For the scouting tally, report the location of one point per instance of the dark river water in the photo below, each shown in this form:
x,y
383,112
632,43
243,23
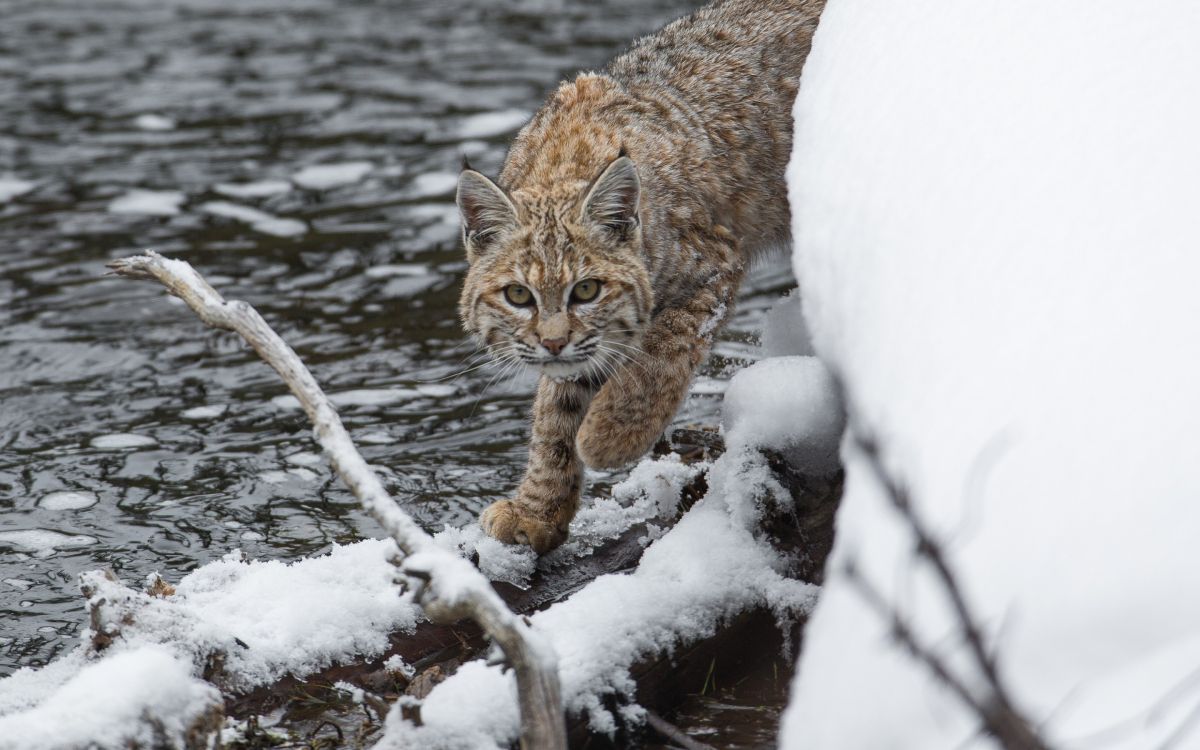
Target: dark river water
x,y
133,438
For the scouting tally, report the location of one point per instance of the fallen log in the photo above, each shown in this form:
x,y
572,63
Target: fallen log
x,y
322,707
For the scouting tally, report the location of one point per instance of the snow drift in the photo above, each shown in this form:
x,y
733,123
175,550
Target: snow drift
x,y
997,224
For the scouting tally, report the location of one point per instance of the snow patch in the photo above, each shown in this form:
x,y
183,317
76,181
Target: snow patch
x,y
104,705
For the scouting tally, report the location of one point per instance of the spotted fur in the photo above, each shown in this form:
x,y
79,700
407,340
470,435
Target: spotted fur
x,y
657,178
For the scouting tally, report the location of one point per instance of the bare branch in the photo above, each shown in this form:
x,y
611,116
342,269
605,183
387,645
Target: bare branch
x,y
669,731
996,708
450,587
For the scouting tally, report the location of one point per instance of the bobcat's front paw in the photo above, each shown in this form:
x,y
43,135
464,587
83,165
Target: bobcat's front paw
x,y
514,523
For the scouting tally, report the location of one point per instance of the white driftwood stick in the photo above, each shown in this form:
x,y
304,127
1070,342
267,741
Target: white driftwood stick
x,y
448,587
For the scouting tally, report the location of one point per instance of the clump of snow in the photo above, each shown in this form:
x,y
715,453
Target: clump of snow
x,y
263,619
789,404
44,542
153,122
14,187
651,492
148,202
268,618
258,220
511,563
785,333
706,569
68,500
327,176
395,663
122,441
995,227
250,190
105,705
491,124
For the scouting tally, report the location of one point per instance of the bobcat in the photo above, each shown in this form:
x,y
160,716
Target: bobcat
x,y
610,249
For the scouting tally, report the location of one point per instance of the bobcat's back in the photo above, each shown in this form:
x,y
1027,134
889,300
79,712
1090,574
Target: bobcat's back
x,y
703,107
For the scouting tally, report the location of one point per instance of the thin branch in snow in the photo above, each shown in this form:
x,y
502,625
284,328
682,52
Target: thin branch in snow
x,y
673,733
448,587
996,708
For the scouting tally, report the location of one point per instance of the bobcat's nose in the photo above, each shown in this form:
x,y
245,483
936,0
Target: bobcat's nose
x,y
554,346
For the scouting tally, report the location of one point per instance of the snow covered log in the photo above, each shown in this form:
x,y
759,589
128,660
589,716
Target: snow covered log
x,y
431,652
996,224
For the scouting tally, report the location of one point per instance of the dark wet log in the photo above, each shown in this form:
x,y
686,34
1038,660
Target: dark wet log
x,y
748,643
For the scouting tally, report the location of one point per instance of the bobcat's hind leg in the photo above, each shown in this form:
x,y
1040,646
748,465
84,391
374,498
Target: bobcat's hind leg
x,y
636,404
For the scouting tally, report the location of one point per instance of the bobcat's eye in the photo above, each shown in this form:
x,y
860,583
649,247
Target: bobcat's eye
x,y
585,291
518,295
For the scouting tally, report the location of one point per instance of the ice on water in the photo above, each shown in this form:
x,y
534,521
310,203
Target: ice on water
x,y
327,176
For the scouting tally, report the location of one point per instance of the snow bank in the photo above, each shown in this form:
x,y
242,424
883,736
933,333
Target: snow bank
x,y
996,233
705,570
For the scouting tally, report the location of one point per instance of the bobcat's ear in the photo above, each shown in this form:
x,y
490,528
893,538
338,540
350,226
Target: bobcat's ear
x,y
613,200
485,210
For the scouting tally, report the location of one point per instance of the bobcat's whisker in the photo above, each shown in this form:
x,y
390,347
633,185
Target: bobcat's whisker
x,y
509,365
497,357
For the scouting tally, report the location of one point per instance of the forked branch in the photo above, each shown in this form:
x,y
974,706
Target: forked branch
x,y
447,586
992,702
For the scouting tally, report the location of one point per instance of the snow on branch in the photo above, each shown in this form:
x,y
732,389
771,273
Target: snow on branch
x,y
447,586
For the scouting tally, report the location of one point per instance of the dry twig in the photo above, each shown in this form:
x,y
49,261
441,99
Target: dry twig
x,y
447,587
995,707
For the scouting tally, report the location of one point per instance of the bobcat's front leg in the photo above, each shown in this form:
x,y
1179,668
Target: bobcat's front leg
x,y
637,403
549,494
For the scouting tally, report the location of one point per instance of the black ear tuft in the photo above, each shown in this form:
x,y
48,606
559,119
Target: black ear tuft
x,y
614,198
485,210
466,165
623,152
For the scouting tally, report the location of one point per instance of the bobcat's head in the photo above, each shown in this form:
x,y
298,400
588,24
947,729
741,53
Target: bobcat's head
x,y
557,277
